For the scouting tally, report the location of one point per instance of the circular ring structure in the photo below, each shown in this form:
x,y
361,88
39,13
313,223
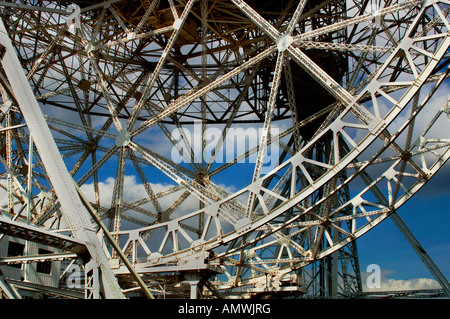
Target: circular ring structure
x,y
244,138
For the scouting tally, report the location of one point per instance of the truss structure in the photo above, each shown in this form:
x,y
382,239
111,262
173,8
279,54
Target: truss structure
x,y
117,117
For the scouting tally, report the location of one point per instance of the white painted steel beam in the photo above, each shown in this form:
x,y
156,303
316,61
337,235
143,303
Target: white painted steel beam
x,y
72,207
37,258
7,289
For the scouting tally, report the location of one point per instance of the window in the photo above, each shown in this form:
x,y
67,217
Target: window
x,y
14,250
44,267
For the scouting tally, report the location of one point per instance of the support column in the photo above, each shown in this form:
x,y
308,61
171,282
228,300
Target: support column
x,y
193,279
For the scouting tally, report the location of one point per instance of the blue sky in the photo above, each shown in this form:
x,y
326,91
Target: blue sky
x,y
426,214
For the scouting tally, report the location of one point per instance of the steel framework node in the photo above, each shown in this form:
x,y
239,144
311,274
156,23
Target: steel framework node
x,y
215,149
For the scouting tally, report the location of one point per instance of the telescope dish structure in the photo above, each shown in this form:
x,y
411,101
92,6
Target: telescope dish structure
x,y
218,144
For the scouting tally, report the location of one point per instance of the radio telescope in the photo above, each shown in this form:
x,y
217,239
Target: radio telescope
x,y
215,149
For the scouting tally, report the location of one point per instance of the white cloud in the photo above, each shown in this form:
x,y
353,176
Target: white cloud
x,y
134,191
106,189
391,284
409,284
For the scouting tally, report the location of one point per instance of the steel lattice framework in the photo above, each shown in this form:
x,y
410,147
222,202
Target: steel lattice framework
x,y
93,91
